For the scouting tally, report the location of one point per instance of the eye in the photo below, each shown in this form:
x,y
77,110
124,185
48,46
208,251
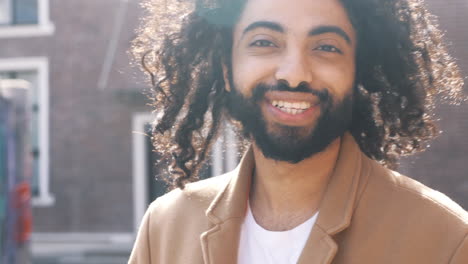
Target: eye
x,y
262,43
329,48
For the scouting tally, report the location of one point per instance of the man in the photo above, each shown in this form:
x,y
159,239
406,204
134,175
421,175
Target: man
x,y
329,94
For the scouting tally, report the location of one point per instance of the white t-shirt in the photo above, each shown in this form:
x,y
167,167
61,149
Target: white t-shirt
x,y
258,245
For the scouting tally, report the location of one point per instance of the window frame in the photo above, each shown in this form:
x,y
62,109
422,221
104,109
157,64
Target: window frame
x,y
44,27
222,161
41,66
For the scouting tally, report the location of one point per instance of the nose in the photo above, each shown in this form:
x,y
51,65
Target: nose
x,y
294,69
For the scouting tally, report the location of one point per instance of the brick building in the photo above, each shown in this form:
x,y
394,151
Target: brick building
x,y
85,99
92,174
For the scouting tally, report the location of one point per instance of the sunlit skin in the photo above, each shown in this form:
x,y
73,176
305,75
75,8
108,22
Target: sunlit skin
x,y
309,41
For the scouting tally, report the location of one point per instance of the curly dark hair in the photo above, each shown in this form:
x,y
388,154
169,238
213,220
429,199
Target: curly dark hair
x,y
403,67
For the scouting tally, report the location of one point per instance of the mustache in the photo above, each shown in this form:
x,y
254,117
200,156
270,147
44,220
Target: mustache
x,y
262,88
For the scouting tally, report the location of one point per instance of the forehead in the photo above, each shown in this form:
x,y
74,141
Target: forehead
x,y
296,15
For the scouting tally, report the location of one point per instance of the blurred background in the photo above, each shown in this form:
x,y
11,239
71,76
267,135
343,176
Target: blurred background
x,y
76,168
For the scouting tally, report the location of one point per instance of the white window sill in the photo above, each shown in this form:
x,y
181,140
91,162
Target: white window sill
x,y
24,31
44,200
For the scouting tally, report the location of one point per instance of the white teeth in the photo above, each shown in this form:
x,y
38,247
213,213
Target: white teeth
x,y
293,108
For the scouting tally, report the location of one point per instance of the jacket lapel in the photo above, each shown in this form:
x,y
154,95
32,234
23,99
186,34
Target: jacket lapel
x,y
226,213
220,243
320,248
337,205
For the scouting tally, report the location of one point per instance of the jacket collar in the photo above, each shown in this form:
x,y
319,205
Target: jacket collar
x,y
232,201
228,209
226,212
337,205
339,199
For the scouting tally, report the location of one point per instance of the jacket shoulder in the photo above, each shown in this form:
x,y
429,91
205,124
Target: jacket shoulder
x,y
394,211
409,201
428,198
195,197
176,218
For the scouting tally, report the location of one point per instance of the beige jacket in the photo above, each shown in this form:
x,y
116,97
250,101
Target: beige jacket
x,y
368,215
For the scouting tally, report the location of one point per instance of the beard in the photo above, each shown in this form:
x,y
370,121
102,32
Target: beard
x,y
289,143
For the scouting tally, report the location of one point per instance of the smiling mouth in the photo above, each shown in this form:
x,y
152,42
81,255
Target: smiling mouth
x,y
292,108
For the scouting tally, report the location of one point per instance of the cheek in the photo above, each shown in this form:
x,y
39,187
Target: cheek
x,y
249,71
338,77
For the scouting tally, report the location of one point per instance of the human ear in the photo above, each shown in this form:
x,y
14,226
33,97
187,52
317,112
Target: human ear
x,y
227,83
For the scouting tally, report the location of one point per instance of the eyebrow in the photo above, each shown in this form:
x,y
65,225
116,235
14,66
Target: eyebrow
x,y
330,29
264,24
313,32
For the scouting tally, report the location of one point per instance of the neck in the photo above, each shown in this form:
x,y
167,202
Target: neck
x,y
284,195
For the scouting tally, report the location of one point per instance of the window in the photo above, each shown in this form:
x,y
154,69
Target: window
x,y
24,18
35,72
18,12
